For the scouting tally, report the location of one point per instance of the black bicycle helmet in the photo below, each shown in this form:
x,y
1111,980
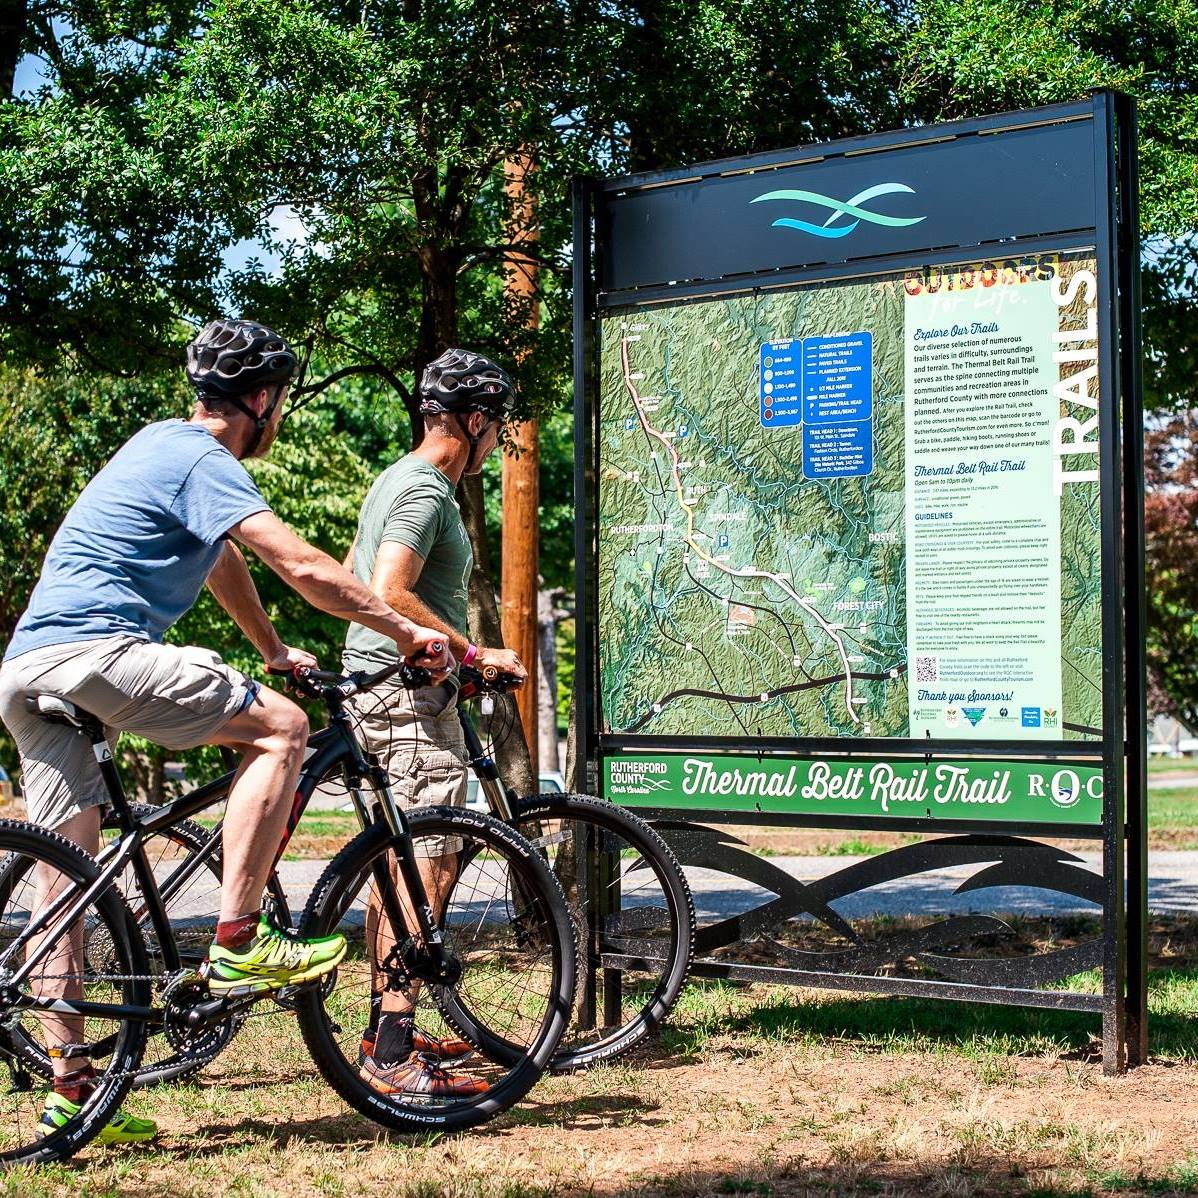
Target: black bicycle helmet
x,y
231,357
463,381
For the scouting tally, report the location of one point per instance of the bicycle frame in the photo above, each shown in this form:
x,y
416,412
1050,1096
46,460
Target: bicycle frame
x,y
329,747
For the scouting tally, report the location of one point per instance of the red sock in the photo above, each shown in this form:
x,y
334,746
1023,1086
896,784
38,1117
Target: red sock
x,y
76,1086
237,933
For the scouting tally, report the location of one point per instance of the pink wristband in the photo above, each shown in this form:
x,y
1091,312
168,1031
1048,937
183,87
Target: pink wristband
x,y
470,654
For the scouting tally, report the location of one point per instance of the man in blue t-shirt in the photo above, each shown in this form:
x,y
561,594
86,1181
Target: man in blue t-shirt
x,y
158,523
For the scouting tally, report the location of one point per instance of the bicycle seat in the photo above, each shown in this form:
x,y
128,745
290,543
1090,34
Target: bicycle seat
x,y
57,710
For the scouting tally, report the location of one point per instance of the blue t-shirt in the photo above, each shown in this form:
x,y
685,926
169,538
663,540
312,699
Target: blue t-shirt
x,y
138,544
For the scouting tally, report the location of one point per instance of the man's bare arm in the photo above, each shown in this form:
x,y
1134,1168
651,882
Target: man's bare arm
x,y
396,569
233,588
328,586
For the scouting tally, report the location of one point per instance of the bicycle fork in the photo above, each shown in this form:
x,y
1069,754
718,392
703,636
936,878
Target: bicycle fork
x,y
425,958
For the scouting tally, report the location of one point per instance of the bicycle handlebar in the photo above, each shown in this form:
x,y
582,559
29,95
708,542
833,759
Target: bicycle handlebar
x,y
477,680
334,688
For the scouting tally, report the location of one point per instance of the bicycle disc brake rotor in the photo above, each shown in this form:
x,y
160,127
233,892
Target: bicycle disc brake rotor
x,y
185,991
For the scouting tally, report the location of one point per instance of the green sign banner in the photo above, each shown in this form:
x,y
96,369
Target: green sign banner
x,y
1015,791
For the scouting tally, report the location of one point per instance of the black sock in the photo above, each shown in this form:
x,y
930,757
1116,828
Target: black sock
x,y
394,1041
376,1009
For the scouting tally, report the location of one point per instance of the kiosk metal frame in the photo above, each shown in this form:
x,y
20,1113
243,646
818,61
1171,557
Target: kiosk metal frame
x,y
622,259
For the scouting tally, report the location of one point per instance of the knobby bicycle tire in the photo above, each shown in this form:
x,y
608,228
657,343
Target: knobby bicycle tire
x,y
192,838
24,843
597,940
541,896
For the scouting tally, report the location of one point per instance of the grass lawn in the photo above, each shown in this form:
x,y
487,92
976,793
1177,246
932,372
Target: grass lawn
x,y
751,1090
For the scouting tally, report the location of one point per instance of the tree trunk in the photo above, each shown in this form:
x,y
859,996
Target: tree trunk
x,y
521,471
547,753
520,572
145,774
438,331
14,22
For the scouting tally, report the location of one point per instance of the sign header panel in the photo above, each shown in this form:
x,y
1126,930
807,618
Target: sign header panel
x,y
972,190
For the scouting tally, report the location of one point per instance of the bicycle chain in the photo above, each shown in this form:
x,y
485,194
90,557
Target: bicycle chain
x,y
163,980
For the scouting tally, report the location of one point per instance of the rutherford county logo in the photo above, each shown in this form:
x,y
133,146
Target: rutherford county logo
x,y
840,208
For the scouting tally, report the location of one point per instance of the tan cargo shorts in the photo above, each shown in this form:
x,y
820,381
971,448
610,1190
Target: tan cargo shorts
x,y
419,742
177,696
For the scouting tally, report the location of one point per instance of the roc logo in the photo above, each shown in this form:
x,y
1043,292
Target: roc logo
x,y
850,208
974,714
1065,789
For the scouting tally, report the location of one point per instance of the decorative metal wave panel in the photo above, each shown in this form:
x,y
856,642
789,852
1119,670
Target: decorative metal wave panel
x,y
1003,861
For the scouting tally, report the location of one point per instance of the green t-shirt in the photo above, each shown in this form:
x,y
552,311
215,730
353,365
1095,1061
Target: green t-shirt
x,y
412,503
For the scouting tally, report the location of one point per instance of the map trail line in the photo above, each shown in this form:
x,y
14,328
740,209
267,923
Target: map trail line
x,y
745,572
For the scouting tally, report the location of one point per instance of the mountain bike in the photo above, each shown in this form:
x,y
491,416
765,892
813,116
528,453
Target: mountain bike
x,y
496,965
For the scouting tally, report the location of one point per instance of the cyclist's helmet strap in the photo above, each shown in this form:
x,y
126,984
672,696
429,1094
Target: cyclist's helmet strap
x,y
229,358
461,382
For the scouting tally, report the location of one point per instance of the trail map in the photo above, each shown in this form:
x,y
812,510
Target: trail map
x,y
866,509
738,595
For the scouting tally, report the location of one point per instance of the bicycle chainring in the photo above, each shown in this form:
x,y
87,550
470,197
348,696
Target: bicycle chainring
x,y
185,991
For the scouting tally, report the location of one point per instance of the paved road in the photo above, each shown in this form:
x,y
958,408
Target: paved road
x,y
1173,889
1171,781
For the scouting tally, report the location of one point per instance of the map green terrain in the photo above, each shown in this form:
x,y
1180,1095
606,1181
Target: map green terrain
x,y
738,598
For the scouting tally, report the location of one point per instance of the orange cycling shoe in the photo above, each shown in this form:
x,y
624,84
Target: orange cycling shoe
x,y
449,1048
421,1075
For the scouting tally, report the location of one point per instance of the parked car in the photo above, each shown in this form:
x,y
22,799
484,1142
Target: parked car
x,y
551,782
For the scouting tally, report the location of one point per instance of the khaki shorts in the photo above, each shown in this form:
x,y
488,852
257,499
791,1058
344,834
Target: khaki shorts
x,y
176,696
419,742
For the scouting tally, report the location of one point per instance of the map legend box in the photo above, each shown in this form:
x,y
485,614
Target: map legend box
x,y
838,378
838,450
781,383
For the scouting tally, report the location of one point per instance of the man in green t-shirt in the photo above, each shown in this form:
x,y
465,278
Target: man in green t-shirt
x,y
412,548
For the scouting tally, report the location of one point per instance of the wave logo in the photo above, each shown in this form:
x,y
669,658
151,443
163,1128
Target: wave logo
x,y
840,208
973,714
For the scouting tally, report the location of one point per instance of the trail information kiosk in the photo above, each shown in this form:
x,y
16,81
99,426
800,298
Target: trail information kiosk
x,y
859,519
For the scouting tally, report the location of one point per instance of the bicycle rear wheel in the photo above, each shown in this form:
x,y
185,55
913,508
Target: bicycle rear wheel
x,y
186,863
117,975
503,917
632,911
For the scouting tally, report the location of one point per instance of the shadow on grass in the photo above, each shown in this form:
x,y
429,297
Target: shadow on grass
x,y
621,1109
348,1130
905,1024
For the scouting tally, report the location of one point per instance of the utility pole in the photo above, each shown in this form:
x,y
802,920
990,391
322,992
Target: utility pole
x,y
521,472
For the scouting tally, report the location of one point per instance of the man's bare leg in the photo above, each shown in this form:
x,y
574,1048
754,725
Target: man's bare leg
x,y
270,735
60,975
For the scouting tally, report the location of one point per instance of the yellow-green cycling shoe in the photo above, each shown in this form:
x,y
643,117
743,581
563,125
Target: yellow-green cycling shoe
x,y
122,1128
271,961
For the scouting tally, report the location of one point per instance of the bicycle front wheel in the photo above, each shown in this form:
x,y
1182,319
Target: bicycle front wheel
x,y
40,870
503,918
632,910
